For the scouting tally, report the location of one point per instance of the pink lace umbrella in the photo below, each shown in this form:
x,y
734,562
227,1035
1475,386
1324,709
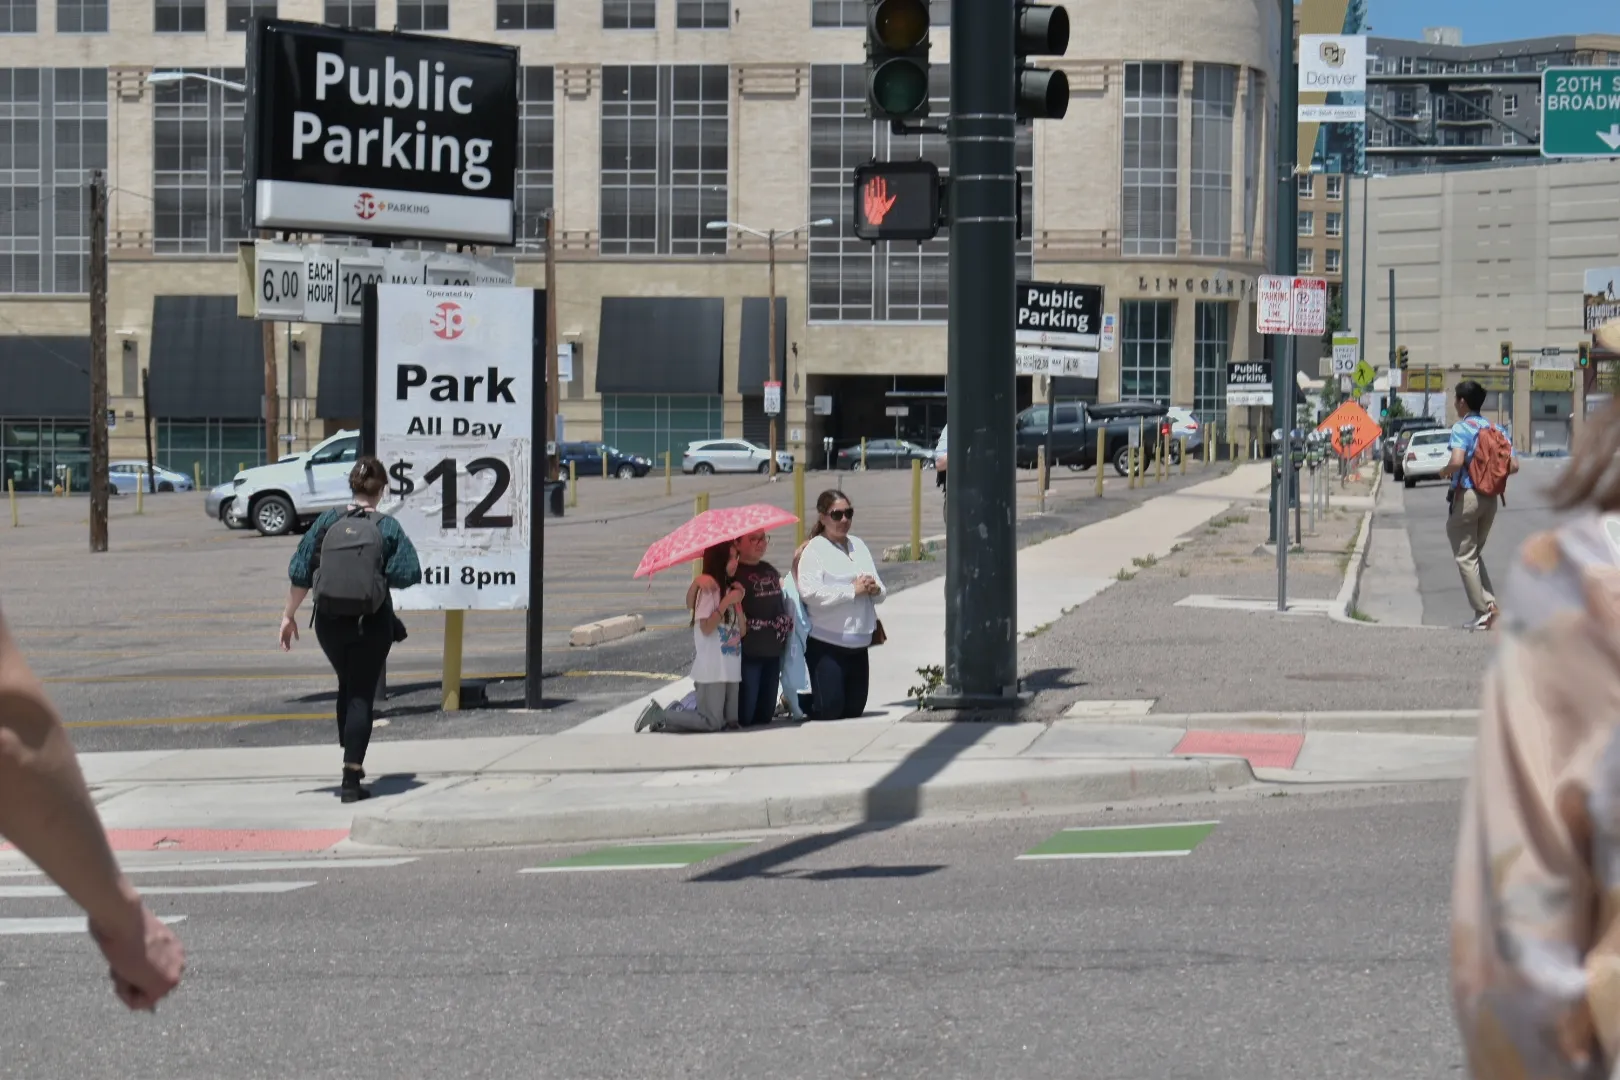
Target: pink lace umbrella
x,y
711,527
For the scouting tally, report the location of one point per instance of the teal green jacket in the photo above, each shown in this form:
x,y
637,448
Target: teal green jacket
x,y
400,564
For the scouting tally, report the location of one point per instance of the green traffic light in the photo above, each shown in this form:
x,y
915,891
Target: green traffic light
x,y
900,87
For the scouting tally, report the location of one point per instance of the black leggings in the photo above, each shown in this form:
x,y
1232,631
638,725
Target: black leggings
x,y
838,680
357,650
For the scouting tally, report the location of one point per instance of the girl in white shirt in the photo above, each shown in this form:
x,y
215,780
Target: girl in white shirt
x,y
717,631
839,584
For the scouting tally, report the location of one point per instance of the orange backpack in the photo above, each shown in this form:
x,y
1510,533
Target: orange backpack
x,y
1491,463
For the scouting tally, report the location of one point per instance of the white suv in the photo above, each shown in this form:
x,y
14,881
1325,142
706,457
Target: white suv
x,y
279,498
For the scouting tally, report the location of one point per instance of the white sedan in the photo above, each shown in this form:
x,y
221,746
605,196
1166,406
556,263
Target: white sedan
x,y
1426,455
732,455
126,476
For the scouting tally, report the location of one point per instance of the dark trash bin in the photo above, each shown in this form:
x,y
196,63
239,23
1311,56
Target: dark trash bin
x,y
555,490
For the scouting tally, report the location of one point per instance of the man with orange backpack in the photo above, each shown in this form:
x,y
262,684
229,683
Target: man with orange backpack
x,y
1481,462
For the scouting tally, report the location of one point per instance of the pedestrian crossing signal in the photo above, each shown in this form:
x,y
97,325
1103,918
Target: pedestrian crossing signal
x,y
1507,354
897,200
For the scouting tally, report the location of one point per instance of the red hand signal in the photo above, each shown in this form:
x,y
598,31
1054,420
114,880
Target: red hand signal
x,y
877,200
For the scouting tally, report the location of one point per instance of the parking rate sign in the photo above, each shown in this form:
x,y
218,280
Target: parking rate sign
x,y
456,401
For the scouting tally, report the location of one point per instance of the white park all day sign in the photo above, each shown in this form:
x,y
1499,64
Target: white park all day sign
x,y
455,430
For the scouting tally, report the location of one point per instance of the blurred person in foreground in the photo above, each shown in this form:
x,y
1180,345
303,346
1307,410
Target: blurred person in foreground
x,y
1535,934
47,813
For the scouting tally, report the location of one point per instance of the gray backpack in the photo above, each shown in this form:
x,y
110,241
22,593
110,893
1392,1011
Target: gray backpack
x,y
349,580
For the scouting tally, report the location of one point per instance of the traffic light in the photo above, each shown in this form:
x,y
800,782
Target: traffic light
x,y
1402,358
1583,353
1383,408
1043,30
1507,354
897,59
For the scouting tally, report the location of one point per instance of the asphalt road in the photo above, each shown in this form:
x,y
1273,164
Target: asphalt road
x,y
1305,936
1527,511
167,640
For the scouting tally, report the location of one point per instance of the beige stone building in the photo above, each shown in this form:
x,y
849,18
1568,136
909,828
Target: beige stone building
x,y
643,120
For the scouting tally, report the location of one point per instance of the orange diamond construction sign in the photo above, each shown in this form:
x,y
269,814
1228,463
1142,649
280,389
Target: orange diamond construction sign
x,y
1365,429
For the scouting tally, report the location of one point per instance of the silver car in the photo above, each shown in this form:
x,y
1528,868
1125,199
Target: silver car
x,y
217,504
731,455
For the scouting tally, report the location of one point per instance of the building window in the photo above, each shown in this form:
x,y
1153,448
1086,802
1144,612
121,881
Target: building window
x,y
525,14
239,14
1307,223
422,15
653,424
81,16
180,17
1334,225
53,134
852,13
1510,138
1307,186
1212,349
1151,148
1146,337
1376,63
1307,261
197,166
18,16
1510,104
36,455
1335,188
855,281
536,161
629,14
1253,109
1334,261
1214,109
357,13
212,449
702,14
665,134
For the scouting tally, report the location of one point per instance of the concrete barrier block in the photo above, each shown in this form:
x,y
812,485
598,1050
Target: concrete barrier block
x,y
931,545
600,633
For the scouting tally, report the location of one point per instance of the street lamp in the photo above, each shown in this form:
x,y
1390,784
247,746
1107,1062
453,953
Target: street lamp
x,y
158,78
770,237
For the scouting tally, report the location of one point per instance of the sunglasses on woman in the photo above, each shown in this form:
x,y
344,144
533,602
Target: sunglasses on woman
x,y
841,515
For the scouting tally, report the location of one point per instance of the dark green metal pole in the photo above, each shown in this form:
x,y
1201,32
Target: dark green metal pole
x,y
981,568
1285,256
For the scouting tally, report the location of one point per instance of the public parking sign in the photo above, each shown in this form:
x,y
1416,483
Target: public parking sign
x,y
1580,112
1291,305
1059,315
457,404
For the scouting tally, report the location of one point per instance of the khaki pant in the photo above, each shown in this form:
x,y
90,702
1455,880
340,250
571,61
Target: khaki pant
x,y
1468,527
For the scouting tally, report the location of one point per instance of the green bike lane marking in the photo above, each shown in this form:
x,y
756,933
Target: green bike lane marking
x,y
641,857
1123,841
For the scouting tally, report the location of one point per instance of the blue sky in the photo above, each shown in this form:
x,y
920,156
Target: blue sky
x,y
1493,20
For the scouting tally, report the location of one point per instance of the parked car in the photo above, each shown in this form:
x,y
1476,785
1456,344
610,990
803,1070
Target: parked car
x,y
292,493
1427,452
940,457
709,456
882,454
217,505
1077,428
1184,425
1392,432
586,458
1404,439
125,477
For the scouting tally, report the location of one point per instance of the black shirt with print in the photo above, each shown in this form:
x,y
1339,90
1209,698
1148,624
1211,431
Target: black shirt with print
x,y
765,608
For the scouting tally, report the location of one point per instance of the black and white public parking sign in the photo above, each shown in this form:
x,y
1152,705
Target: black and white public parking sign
x,y
1060,315
366,133
457,406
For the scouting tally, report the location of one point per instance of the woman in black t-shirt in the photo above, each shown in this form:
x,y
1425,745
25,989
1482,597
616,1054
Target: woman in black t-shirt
x,y
769,624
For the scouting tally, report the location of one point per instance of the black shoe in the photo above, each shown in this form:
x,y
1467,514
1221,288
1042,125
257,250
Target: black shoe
x,y
351,791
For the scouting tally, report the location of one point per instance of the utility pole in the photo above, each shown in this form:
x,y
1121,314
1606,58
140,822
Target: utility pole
x,y
981,575
272,393
1361,309
1286,256
770,348
99,477
146,422
553,460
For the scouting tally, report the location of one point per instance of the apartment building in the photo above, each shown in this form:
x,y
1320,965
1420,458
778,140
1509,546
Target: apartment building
x,y
642,121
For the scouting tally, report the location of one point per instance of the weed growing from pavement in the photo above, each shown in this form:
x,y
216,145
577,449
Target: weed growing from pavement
x,y
1361,616
1124,575
1145,562
933,677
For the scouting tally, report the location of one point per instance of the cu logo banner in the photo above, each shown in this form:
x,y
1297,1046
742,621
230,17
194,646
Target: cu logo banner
x,y
448,321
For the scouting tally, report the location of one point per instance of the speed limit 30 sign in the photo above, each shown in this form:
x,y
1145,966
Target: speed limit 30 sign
x,y
457,403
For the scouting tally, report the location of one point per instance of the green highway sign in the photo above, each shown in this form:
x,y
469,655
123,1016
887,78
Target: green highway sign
x,y
1580,112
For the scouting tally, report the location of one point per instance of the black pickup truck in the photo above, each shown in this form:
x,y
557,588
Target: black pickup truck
x,y
1076,428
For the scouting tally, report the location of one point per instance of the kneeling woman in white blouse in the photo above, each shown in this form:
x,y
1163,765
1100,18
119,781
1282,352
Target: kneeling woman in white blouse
x,y
840,586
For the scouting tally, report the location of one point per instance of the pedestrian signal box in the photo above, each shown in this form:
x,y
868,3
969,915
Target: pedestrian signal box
x,y
897,200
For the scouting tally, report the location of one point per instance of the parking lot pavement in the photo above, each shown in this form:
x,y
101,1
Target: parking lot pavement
x,y
167,640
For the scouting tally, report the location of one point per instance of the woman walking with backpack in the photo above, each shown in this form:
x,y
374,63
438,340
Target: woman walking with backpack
x,y
351,557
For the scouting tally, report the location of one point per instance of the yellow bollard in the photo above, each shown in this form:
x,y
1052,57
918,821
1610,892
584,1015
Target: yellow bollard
x,y
798,503
1102,459
863,453
669,484
241,466
455,623
573,484
604,463
67,485
700,505
916,510
140,493
1040,479
1161,467
11,490
196,474
1183,456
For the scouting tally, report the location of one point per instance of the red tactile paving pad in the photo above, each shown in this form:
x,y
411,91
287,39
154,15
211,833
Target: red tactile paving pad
x,y
1263,751
222,839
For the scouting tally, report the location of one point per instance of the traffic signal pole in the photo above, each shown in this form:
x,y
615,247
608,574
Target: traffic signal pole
x,y
981,569
1286,255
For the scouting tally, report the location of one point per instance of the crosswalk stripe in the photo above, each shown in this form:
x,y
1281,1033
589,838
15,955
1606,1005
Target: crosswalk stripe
x,y
71,924
34,892
256,865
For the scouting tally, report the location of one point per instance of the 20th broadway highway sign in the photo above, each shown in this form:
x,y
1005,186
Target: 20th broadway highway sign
x,y
1580,112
